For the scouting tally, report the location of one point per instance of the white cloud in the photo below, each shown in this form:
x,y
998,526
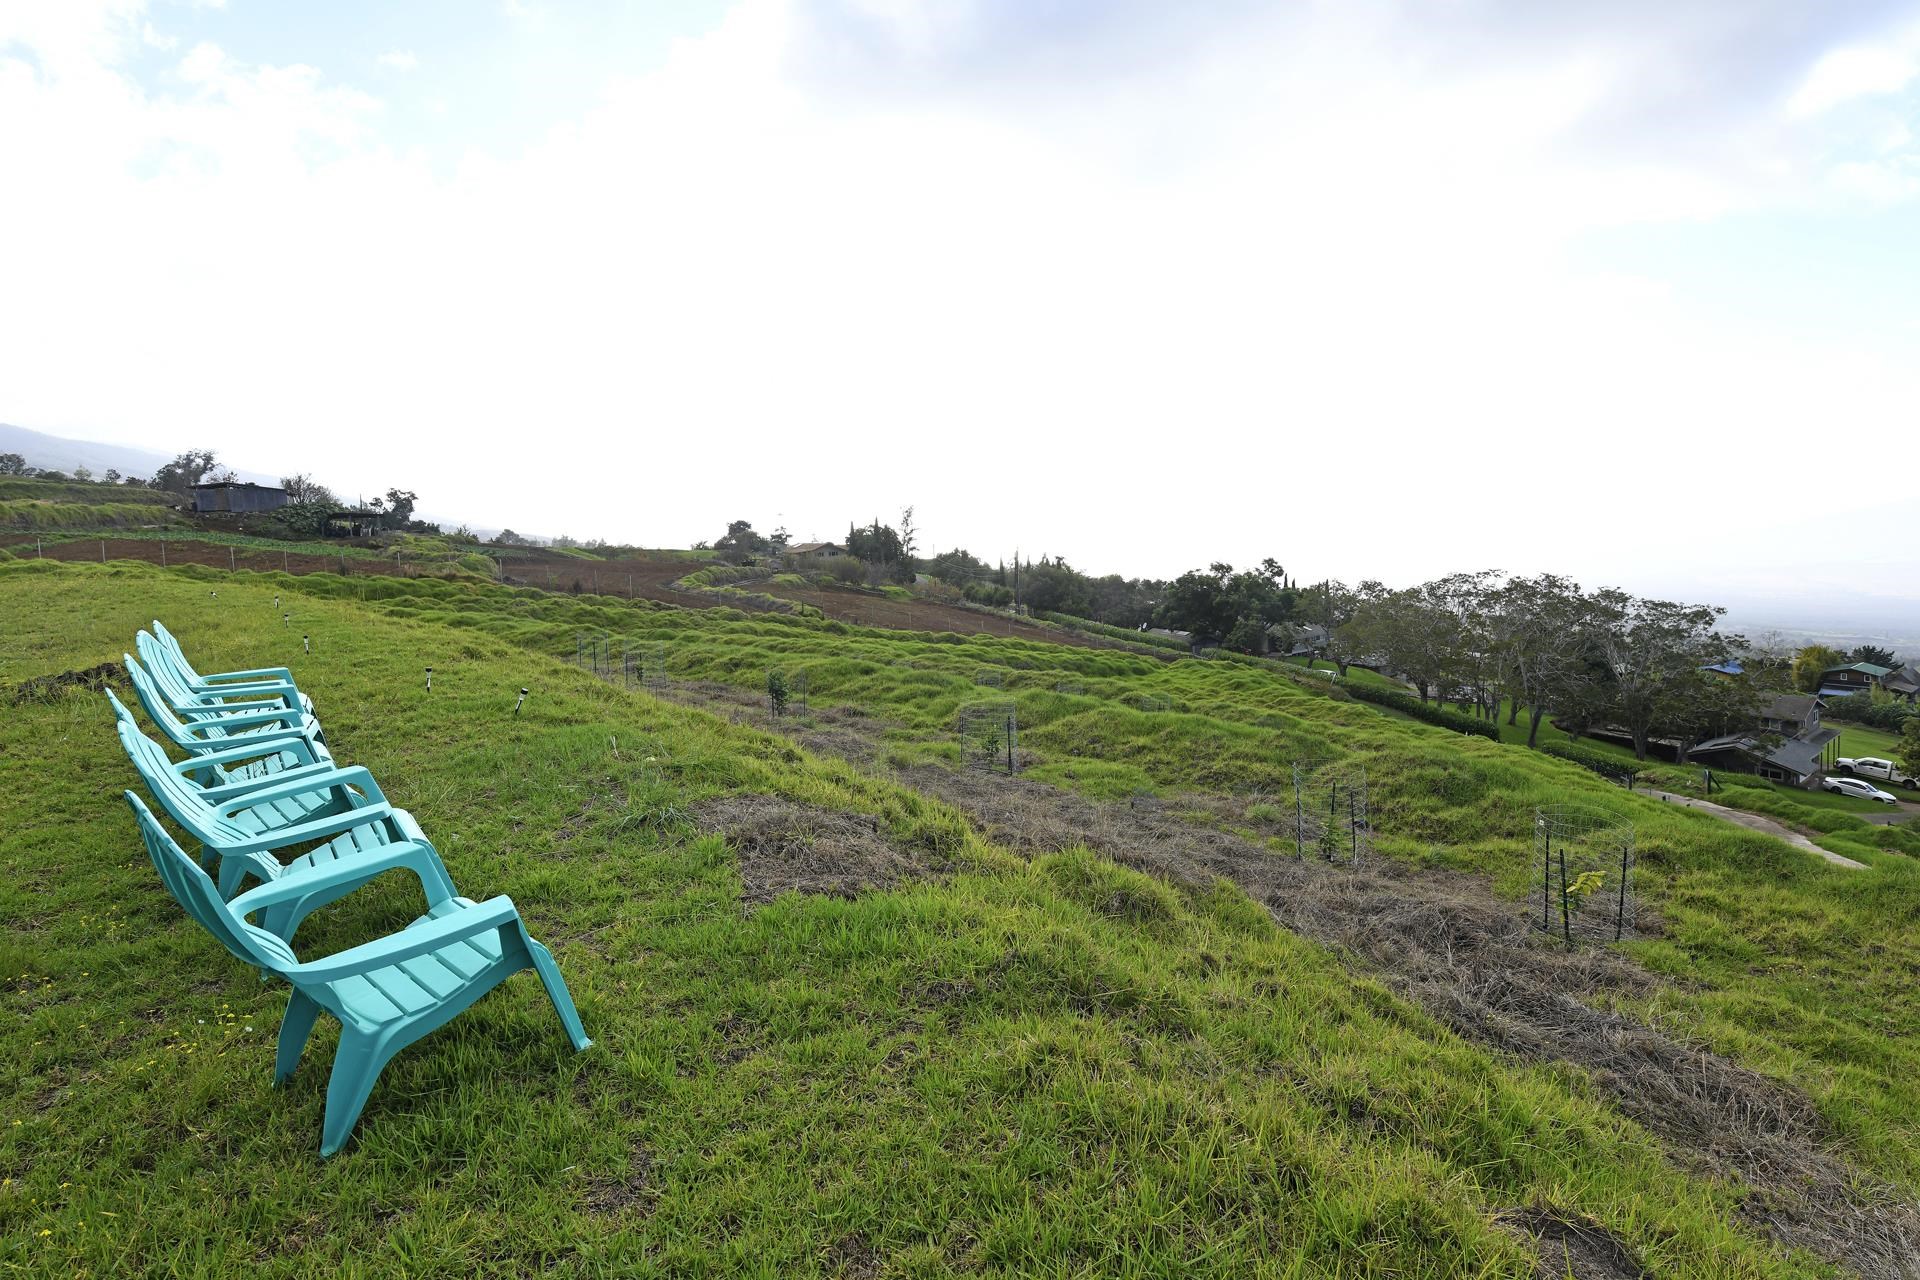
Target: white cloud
x,y
398,60
1858,71
1294,299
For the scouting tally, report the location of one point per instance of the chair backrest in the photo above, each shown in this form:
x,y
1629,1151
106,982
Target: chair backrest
x,y
168,681
193,890
179,797
159,657
168,642
156,706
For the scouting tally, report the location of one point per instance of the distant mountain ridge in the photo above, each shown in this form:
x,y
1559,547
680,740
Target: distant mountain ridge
x,y
57,453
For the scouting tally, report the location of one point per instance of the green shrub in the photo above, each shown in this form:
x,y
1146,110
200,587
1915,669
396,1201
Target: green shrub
x,y
1875,709
1587,758
1430,712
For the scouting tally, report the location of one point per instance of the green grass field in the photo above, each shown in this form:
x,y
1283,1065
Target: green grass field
x,y
1018,1067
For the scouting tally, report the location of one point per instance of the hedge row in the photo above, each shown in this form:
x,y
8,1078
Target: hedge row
x,y
1587,758
1427,711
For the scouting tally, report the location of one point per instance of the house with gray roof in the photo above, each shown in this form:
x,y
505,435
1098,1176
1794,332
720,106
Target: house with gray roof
x,y
1790,744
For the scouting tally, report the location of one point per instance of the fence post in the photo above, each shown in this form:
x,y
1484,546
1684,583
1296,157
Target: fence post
x,y
103,551
1566,923
1620,908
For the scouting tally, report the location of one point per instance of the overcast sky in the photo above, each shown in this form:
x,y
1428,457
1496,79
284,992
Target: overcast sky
x,y
1623,290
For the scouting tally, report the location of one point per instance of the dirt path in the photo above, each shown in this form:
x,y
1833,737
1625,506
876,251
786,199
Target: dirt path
x,y
1446,942
1758,822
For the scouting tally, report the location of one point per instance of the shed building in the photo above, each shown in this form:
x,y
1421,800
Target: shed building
x,y
237,497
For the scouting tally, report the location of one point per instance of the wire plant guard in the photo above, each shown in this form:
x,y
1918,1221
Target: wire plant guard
x,y
1330,819
1582,879
990,734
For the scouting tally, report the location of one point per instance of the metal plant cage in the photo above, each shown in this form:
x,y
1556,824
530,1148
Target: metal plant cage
x,y
1582,881
1330,818
990,733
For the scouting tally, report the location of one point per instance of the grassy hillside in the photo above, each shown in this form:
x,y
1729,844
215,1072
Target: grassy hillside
x,y
33,513
33,488
1797,969
997,1066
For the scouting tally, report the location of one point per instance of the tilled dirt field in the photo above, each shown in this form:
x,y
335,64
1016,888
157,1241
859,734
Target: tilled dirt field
x,y
1467,957
919,615
191,551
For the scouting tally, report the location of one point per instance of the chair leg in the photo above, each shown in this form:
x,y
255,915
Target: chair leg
x,y
356,1065
232,871
549,971
302,1009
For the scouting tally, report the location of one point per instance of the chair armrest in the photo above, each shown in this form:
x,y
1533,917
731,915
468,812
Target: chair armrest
x,y
326,780
307,832
242,747
203,709
276,675
278,688
313,776
257,743
416,940
292,717
406,855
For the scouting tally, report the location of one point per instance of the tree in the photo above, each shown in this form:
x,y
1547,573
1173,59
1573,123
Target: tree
x,y
877,544
1910,747
1811,663
958,566
1769,661
1873,653
907,531
400,505
1209,603
1402,630
1051,586
111,477
304,488
780,539
1654,650
740,541
1544,640
12,464
1330,605
508,538
83,474
185,471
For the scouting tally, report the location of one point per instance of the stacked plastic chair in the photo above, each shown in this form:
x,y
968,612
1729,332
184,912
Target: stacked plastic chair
x,y
262,796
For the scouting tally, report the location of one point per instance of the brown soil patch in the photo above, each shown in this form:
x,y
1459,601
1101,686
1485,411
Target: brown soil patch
x,y
853,1258
632,1191
1576,1247
784,847
41,688
1445,941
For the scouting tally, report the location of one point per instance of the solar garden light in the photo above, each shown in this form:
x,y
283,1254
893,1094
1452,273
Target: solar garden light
x,y
429,679
306,642
285,617
517,705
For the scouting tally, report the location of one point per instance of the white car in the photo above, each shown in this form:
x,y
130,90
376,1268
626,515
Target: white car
x,y
1875,767
1855,787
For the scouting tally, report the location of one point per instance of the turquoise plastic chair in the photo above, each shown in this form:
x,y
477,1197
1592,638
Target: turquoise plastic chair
x,y
172,645
168,658
212,730
243,757
339,817
189,703
386,993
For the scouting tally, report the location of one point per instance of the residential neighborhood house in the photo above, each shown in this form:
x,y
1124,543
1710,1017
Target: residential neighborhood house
x,y
1790,745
